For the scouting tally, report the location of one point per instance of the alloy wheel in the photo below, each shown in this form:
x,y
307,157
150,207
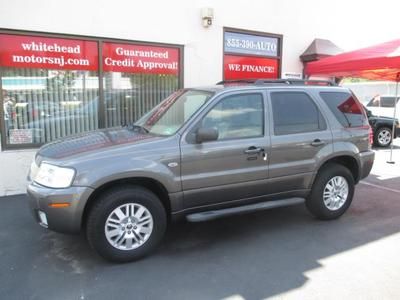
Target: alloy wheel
x,y
384,137
129,226
335,193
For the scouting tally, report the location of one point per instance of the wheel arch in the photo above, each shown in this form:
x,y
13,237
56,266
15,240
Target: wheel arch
x,y
346,160
149,183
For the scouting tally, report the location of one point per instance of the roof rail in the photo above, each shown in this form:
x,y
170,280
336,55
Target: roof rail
x,y
279,81
251,81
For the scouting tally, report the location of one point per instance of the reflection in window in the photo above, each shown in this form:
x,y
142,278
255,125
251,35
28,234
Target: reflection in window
x,y
41,105
238,116
128,96
171,114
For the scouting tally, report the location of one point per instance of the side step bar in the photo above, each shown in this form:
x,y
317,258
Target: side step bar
x,y
219,213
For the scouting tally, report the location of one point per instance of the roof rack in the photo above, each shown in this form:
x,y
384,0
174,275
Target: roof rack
x,y
234,81
279,81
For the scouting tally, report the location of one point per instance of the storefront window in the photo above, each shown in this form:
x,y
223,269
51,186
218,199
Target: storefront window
x,y
50,87
43,105
136,78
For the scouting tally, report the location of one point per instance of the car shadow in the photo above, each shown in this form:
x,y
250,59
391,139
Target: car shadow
x,y
395,147
255,255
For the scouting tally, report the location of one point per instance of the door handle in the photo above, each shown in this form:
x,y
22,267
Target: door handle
x,y
317,143
253,150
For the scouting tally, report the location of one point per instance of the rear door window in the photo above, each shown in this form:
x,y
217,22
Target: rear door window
x,y
346,108
295,112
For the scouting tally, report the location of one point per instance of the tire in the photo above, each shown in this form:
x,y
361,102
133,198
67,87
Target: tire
x,y
135,233
329,174
383,137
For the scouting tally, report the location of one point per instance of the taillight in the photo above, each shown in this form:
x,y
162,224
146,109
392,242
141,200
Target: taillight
x,y
371,136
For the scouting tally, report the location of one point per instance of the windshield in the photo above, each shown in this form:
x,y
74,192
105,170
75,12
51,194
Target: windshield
x,y
382,101
167,117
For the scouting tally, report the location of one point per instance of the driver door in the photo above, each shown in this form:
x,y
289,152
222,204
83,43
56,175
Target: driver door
x,y
234,166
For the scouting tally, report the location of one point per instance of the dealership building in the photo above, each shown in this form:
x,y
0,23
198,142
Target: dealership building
x,y
85,65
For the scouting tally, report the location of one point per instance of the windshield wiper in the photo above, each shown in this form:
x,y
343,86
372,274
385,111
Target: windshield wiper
x,y
136,128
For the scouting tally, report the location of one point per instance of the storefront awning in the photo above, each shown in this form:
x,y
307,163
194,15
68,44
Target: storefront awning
x,y
318,49
379,62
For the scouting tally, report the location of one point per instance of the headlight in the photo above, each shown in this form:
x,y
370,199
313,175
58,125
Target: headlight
x,y
53,176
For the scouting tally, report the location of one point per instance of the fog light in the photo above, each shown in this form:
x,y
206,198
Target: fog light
x,y
42,218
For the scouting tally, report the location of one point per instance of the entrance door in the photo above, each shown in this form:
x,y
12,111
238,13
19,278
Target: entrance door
x,y
234,166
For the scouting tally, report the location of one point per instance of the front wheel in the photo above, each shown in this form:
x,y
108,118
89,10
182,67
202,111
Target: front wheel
x,y
383,137
126,223
332,192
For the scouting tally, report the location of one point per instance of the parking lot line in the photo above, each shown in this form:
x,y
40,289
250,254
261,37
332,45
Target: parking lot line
x,y
380,187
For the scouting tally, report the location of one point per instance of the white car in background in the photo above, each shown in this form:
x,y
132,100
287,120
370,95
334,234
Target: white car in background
x,y
383,105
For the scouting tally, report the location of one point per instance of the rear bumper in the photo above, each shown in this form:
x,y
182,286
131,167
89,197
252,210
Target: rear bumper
x,y
64,219
366,162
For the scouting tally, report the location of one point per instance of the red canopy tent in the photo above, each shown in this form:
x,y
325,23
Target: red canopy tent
x,y
379,62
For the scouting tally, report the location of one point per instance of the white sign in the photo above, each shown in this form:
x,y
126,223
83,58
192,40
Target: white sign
x,y
21,136
241,43
292,75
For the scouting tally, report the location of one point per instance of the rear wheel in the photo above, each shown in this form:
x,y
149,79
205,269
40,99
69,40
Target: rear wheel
x,y
126,224
332,192
383,137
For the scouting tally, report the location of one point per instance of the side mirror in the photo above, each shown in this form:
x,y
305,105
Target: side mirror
x,y
206,134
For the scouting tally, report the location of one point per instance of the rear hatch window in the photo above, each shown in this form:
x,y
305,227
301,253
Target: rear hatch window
x,y
346,108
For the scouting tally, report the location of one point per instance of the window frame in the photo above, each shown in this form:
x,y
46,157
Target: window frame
x,y
189,138
101,107
272,125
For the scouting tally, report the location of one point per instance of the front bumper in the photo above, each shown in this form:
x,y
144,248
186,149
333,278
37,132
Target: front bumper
x,y
61,219
366,159
397,132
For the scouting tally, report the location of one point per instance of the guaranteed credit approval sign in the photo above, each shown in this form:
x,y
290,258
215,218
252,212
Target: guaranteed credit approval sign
x,y
131,58
22,51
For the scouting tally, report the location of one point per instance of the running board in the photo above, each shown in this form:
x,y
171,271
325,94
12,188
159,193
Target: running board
x,y
215,214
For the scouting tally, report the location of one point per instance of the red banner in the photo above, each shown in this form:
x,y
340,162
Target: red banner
x,y
246,67
131,58
21,51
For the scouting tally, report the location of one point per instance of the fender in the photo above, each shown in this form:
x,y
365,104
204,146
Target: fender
x,y
342,149
124,169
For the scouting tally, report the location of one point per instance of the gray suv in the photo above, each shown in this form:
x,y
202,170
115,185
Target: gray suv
x,y
201,154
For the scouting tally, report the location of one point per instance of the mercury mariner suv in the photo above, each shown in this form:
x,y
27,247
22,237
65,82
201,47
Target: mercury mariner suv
x,y
201,154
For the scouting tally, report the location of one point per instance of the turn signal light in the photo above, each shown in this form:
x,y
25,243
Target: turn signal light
x,y
59,205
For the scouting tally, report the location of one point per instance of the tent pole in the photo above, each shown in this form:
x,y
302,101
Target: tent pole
x,y
394,121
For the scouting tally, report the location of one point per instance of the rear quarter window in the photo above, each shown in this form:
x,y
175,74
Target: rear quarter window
x,y
346,108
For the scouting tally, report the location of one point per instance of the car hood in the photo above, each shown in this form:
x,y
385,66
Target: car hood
x,y
93,141
382,118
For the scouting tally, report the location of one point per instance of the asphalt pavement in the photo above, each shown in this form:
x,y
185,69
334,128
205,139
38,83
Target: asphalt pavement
x,y
282,253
